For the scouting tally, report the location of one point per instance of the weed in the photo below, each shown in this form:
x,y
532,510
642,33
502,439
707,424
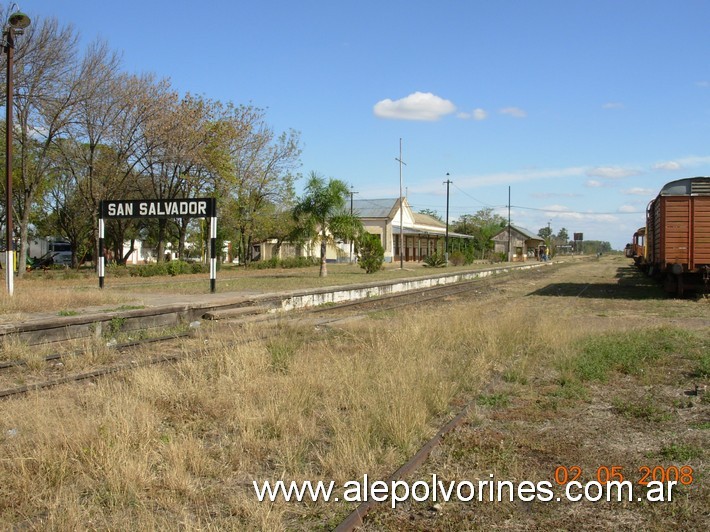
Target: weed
x,y
515,376
115,325
570,389
496,400
702,369
646,411
678,452
626,352
67,313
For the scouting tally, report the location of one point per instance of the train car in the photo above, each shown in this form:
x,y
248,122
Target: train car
x,y
637,249
678,235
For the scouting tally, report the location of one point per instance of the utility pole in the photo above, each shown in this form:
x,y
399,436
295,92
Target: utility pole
x,y
351,213
401,208
446,240
509,248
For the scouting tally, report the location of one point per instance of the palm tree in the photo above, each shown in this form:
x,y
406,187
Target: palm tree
x,y
321,214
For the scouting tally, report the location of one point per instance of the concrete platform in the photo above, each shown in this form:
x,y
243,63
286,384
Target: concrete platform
x,y
172,310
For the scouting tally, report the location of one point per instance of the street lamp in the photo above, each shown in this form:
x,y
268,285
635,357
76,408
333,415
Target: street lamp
x,y
15,25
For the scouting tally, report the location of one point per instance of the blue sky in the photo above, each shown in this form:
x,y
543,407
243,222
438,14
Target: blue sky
x,y
585,108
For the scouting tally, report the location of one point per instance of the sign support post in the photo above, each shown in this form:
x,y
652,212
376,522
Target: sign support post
x,y
213,246
102,259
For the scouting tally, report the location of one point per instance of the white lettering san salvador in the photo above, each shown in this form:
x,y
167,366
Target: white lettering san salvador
x,y
120,209
173,208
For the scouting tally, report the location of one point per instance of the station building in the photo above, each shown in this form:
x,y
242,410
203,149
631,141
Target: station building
x,y
418,236
524,245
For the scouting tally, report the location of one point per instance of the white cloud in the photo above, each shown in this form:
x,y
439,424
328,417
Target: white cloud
x,y
613,105
593,183
506,178
628,208
612,172
423,106
690,161
563,213
476,114
638,191
668,165
704,84
515,112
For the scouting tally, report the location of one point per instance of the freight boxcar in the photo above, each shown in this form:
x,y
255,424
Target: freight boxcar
x,y
678,235
637,249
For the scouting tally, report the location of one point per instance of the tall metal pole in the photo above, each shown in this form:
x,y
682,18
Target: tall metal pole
x,y
9,249
446,239
509,248
401,209
351,213
16,24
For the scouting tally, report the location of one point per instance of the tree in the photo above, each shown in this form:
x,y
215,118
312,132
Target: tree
x,y
562,236
251,169
545,233
46,89
431,212
483,225
321,215
371,252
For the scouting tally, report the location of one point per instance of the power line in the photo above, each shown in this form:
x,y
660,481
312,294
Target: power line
x,y
469,195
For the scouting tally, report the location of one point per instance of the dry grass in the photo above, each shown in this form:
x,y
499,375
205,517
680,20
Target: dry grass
x,y
181,445
178,446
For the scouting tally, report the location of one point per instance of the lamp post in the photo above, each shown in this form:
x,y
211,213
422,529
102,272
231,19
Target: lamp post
x,y
16,24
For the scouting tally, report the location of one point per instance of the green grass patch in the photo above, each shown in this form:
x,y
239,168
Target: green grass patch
x,y
678,452
646,410
65,312
496,400
626,352
702,368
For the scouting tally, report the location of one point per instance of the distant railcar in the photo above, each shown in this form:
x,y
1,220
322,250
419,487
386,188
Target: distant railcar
x,y
637,249
678,235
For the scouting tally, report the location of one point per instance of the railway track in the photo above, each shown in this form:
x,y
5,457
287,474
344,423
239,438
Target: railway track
x,y
20,376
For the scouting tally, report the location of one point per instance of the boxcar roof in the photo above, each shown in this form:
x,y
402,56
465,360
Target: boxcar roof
x,y
687,186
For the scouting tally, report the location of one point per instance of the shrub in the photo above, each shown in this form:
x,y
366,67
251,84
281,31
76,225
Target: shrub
x,y
291,262
177,267
372,254
197,267
149,270
435,260
457,258
117,270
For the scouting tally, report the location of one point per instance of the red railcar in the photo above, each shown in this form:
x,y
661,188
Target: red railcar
x,y
678,235
637,249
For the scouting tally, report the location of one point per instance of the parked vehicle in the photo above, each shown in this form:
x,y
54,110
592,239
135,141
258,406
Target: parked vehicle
x,y
61,249
43,262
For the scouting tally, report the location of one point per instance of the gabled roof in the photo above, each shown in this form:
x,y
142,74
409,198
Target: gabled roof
x,y
375,208
425,219
526,233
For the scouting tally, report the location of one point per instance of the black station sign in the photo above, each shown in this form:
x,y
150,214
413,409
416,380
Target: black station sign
x,y
176,208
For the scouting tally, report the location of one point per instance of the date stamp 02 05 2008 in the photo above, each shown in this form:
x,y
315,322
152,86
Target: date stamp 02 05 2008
x,y
682,475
